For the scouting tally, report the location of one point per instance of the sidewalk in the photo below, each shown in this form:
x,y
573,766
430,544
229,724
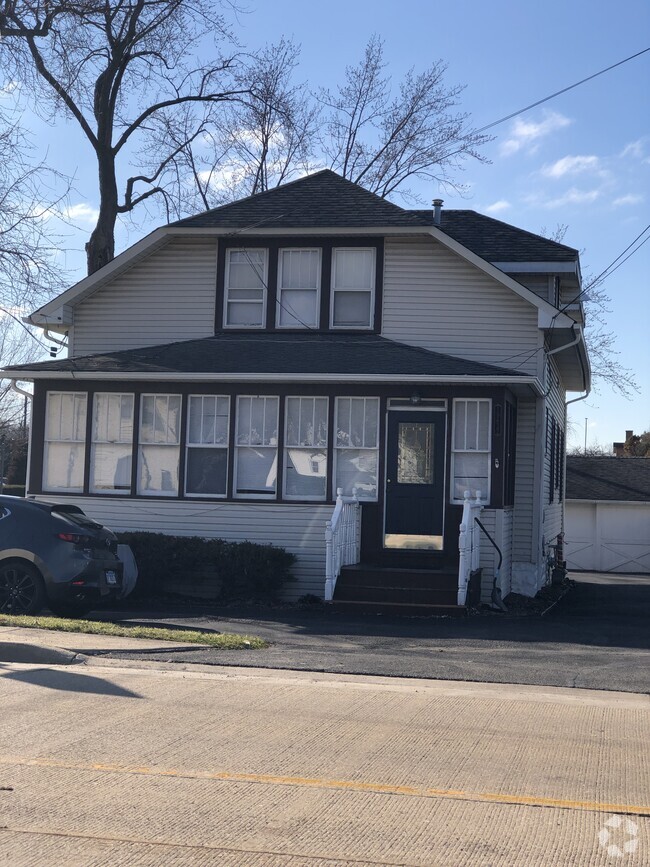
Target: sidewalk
x,y
49,647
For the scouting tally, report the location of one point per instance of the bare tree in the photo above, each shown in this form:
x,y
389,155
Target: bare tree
x,y
265,138
118,68
606,368
382,141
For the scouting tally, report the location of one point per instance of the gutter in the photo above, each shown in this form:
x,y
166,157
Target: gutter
x,y
189,376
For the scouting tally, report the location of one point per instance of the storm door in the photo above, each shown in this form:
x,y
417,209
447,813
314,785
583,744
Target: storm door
x,y
415,480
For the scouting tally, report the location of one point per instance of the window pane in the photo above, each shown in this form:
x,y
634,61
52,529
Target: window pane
x,y
245,295
299,269
353,269
246,269
484,425
64,466
306,473
208,420
158,470
206,471
371,427
298,307
245,313
110,468
66,417
113,418
415,453
257,421
471,441
256,471
470,474
352,308
160,421
356,472
459,424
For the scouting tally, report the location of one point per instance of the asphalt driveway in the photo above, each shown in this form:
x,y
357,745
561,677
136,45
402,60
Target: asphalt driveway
x,y
597,637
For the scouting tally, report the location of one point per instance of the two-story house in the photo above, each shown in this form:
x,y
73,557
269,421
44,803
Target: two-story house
x,y
229,372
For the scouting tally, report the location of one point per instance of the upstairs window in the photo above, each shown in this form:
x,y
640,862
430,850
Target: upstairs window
x,y
353,287
65,442
298,288
160,436
112,444
471,446
245,288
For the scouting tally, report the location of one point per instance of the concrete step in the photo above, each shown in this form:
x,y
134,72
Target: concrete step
x,y
368,575
396,609
348,591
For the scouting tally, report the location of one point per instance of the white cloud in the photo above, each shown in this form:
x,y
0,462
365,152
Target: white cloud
x,y
82,212
571,166
629,199
574,196
498,207
525,134
634,149
8,88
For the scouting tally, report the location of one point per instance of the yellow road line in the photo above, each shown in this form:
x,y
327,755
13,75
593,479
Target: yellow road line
x,y
346,785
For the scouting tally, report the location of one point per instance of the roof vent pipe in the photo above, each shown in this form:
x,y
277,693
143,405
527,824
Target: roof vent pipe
x,y
437,207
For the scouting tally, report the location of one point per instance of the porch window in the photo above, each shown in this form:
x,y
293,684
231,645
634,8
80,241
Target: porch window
x,y
112,443
356,446
353,285
298,288
206,466
256,449
305,474
245,288
159,451
65,441
470,455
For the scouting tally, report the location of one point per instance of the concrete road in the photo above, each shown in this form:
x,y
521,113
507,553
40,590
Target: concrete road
x,y
106,765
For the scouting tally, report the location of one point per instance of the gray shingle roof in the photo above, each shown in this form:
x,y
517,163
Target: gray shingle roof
x,y
326,200
268,353
608,478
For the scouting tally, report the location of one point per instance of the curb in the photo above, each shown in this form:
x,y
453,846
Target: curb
x,y
18,651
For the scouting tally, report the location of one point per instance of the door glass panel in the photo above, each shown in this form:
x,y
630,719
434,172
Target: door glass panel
x,y
415,454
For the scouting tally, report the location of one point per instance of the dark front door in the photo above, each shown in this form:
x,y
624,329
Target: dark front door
x,y
415,480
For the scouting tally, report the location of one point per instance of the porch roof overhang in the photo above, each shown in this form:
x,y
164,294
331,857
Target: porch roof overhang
x,y
264,357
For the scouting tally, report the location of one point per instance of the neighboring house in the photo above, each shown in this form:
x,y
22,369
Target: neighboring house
x,y
231,371
608,514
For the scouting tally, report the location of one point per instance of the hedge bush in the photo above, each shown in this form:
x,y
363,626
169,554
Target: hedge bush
x,y
208,568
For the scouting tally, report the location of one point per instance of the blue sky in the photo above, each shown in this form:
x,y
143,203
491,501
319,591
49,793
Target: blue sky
x,y
582,159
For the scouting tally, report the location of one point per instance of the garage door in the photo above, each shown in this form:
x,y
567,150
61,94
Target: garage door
x,y
607,537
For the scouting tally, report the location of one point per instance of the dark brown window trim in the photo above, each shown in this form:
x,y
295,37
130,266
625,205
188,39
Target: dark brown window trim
x,y
282,391
273,245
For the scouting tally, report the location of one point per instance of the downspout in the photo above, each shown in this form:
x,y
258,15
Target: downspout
x,y
19,390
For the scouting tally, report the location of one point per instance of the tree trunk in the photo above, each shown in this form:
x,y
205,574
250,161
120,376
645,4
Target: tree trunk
x,y
100,249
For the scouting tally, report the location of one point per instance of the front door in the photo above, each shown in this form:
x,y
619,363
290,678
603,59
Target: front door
x,y
415,480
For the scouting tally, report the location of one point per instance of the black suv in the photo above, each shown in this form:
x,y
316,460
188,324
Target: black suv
x,y
55,555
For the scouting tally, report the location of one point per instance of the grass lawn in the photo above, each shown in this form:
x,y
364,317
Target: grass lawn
x,y
94,627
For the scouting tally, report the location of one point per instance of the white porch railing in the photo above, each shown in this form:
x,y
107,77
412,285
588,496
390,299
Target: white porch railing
x,y
342,540
469,543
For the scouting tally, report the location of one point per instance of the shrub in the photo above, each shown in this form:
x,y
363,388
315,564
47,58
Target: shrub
x,y
208,568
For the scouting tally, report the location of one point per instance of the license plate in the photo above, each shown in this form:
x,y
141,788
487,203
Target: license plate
x,y
111,577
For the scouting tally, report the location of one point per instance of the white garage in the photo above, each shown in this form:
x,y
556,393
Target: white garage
x,y
607,516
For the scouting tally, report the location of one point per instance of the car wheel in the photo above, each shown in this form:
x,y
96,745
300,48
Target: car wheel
x,y
21,588
68,609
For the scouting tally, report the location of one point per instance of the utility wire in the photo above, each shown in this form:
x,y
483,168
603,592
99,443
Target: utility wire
x,y
559,92
24,327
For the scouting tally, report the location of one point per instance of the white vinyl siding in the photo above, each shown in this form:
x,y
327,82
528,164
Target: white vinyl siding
x,y
256,446
159,444
298,303
208,432
356,446
245,288
353,287
65,441
298,527
525,482
434,299
167,297
305,454
553,499
112,443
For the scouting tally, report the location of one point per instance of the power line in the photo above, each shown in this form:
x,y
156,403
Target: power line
x,y
559,92
24,327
